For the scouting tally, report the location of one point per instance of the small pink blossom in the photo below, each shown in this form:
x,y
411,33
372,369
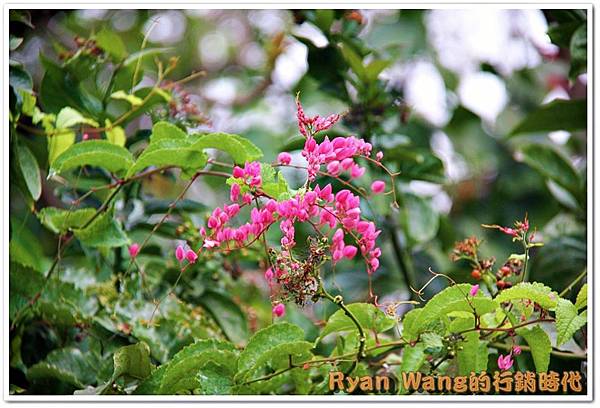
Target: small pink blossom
x,y
209,243
269,274
516,350
284,158
505,362
350,251
474,290
191,256
379,156
279,310
234,193
180,253
378,187
85,136
134,249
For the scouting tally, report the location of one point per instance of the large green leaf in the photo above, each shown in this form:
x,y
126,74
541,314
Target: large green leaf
x,y
568,321
104,231
133,361
239,148
472,355
539,342
227,314
58,143
59,220
215,379
553,165
452,299
560,114
413,358
112,43
371,318
24,284
68,365
100,153
179,372
68,117
582,296
266,339
578,48
30,171
420,219
166,131
173,152
536,292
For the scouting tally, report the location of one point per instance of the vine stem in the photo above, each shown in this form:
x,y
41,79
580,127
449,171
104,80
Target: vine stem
x,y
362,339
577,279
560,354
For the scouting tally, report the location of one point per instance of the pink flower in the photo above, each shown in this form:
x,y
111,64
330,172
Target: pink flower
x,y
505,362
379,156
516,350
269,274
209,243
350,251
279,309
180,253
247,198
474,290
134,249
378,187
284,158
234,193
85,136
191,256
238,172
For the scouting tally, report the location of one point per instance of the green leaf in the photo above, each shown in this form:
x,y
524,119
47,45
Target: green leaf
x,y
183,365
553,165
266,339
274,183
227,314
421,220
239,148
371,318
68,117
561,34
19,78
99,153
30,171
132,99
473,356
215,379
68,365
146,52
560,114
578,48
104,231
14,42
22,16
324,19
452,299
567,321
354,61
112,43
539,342
58,144
413,358
133,361
581,300
278,356
166,131
59,220
173,152
24,284
115,134
432,340
417,164
374,68
536,292
29,99
180,374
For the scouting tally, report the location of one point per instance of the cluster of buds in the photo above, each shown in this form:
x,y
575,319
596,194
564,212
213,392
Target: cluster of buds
x,y
86,46
518,231
181,108
512,267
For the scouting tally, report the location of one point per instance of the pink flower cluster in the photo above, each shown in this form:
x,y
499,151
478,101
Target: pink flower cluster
x,y
337,154
319,206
